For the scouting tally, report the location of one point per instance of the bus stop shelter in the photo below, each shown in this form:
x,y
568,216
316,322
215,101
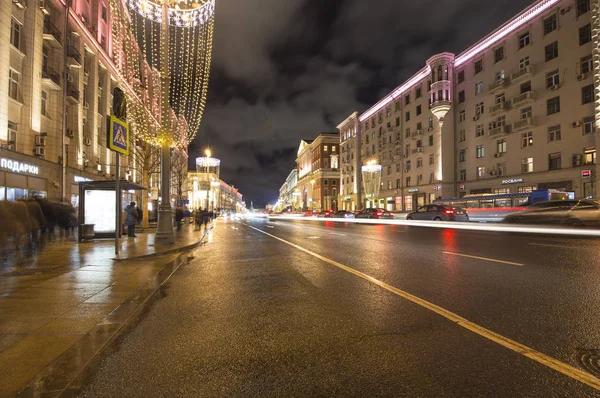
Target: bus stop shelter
x,y
97,206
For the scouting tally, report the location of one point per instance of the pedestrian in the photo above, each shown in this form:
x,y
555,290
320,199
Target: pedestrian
x,y
140,214
130,219
178,217
205,218
198,218
186,216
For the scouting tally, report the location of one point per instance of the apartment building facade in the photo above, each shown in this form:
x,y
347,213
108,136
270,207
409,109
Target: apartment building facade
x,y
88,55
514,112
318,173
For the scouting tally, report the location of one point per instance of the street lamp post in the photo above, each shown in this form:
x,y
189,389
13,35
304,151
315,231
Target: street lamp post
x,y
207,153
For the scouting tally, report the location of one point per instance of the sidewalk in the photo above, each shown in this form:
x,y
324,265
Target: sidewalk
x,y
69,300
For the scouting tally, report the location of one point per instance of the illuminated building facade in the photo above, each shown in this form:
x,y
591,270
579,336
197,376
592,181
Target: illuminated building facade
x,y
101,54
207,190
318,173
514,112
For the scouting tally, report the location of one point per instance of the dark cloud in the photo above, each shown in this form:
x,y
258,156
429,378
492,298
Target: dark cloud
x,y
287,70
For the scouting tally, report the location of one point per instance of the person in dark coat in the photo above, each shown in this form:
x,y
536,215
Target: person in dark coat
x,y
131,219
178,217
205,217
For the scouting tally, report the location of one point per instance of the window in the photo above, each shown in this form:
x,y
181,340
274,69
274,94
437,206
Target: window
x,y
589,155
419,144
461,97
431,122
526,113
419,163
462,155
589,125
408,181
586,64
525,87
15,33
553,105
479,151
500,98
524,62
478,66
462,136
398,184
585,34
397,121
479,109
419,126
388,111
479,87
550,24
462,116
587,94
527,139
501,146
389,170
44,102
418,110
407,133
12,136
13,84
104,12
325,148
524,39
430,140
418,92
463,175
407,99
499,54
551,51
554,133
420,179
501,169
480,172
583,6
407,150
554,161
479,130
461,76
526,165
397,105
325,182
407,168
333,148
431,159
407,116
552,78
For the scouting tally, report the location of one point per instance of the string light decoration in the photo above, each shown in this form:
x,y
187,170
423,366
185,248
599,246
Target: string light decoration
x,y
191,25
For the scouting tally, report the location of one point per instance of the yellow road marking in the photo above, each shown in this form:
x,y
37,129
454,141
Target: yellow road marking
x,y
484,258
561,246
519,348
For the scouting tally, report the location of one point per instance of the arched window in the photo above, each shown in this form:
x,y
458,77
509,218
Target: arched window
x,y
440,77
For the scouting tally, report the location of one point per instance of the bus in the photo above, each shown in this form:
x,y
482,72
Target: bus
x,y
494,207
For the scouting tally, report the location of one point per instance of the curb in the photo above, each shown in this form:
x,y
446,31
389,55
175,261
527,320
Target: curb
x,y
171,251
68,373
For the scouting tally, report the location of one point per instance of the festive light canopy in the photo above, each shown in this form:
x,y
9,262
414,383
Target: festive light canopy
x,y
190,36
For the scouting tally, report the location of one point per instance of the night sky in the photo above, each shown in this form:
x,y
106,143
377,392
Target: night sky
x,y
284,70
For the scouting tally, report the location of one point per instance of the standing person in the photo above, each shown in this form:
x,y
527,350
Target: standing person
x,y
205,218
198,218
131,219
186,215
140,214
178,217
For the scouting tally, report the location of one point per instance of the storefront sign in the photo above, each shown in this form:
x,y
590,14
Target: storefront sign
x,y
513,181
586,173
437,187
81,179
18,167
413,190
347,198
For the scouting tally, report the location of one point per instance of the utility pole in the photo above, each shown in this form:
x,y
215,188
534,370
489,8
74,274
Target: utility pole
x,y
164,229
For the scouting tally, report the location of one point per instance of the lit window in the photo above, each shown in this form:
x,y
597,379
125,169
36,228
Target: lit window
x,y
479,151
479,87
590,155
325,148
501,146
527,165
13,84
527,139
480,172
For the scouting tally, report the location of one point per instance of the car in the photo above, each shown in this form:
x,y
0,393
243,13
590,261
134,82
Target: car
x,y
585,212
309,213
439,213
374,213
341,214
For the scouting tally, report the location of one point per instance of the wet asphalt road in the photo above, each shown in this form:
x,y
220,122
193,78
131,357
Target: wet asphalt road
x,y
254,316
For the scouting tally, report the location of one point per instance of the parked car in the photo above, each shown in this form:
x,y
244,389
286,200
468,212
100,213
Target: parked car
x,y
439,213
374,213
341,214
583,212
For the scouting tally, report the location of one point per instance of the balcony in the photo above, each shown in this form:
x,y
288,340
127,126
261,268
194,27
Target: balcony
x,y
52,34
440,108
417,150
499,107
72,94
417,134
523,74
50,79
524,98
74,59
524,124
500,130
498,84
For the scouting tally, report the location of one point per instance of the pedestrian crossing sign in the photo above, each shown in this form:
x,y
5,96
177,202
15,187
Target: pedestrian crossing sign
x,y
118,136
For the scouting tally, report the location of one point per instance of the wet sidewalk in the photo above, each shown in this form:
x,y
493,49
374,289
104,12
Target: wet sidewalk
x,y
53,303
